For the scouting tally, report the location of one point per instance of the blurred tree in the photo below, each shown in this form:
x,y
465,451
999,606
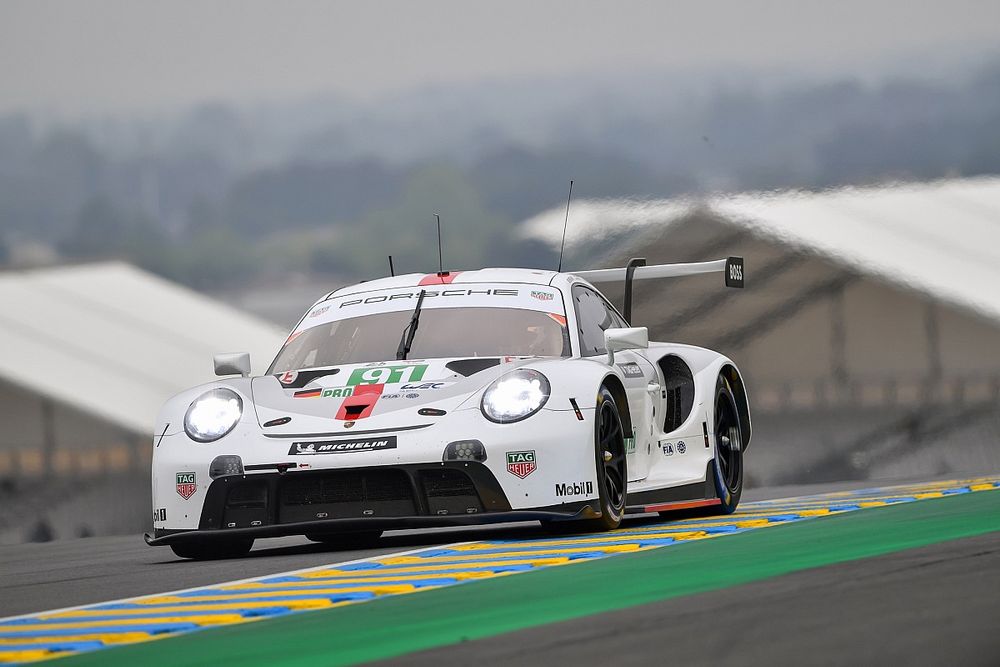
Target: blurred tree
x,y
305,195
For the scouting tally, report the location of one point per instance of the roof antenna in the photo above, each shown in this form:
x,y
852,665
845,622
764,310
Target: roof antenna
x,y
565,222
392,270
440,262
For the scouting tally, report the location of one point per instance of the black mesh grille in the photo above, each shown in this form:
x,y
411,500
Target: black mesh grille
x,y
450,491
345,494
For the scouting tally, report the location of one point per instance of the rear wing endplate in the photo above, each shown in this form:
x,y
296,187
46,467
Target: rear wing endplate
x,y
731,267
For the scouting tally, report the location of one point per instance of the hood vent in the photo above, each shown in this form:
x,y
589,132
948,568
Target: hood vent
x,y
469,367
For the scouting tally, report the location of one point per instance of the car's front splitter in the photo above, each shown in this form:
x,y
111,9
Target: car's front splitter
x,y
567,512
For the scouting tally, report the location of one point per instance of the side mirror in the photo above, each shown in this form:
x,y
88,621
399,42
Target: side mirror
x,y
632,338
232,363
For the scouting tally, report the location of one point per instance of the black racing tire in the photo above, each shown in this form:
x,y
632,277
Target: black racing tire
x,y
363,539
612,475
727,466
212,550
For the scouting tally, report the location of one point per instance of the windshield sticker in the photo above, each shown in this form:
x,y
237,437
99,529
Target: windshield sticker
x,y
319,311
486,295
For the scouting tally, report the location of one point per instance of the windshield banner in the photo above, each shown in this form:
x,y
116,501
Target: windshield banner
x,y
539,298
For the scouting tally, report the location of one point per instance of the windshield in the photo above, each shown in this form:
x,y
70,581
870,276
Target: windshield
x,y
443,332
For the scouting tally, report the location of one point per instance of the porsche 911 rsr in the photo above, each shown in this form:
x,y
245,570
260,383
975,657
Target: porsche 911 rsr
x,y
450,399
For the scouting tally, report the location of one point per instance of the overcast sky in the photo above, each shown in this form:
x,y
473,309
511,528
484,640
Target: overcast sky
x,y
113,55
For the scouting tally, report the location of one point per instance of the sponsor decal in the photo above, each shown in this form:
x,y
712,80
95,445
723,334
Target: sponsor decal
x,y
681,447
542,296
319,311
631,370
391,396
430,294
160,514
630,445
425,385
387,375
187,484
575,489
413,396
329,392
308,393
521,464
668,448
288,377
342,446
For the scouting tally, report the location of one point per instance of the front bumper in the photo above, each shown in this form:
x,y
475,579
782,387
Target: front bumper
x,y
355,499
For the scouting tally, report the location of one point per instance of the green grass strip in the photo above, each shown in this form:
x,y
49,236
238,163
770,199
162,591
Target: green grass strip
x,y
403,624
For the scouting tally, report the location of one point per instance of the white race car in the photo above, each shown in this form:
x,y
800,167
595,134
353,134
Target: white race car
x,y
449,399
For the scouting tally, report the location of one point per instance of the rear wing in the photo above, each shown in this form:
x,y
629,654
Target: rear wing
x,y
731,267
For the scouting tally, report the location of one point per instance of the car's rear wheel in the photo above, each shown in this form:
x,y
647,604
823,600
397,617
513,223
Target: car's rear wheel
x,y
728,465
212,550
359,540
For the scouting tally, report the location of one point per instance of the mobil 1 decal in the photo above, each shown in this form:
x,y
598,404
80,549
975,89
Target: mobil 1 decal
x,y
521,464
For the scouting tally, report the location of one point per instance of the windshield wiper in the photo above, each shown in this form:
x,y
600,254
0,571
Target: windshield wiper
x,y
406,340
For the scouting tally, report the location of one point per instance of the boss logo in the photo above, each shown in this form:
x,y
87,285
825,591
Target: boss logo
x,y
734,272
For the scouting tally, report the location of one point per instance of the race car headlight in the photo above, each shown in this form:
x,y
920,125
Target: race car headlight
x,y
213,415
515,396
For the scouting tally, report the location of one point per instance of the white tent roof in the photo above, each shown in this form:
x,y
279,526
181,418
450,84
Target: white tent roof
x,y
940,238
114,341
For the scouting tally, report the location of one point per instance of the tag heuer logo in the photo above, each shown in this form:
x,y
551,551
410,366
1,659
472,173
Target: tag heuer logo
x,y
187,484
521,464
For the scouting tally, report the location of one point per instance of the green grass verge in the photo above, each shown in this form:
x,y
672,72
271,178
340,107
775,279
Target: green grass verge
x,y
402,624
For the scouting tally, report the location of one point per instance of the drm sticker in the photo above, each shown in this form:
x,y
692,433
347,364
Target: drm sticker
x,y
631,370
521,464
187,484
630,445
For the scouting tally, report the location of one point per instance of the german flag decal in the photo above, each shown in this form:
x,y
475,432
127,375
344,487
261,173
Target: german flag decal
x,y
307,393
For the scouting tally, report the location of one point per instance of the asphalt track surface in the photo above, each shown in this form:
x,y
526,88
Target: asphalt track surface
x,y
37,577
934,605
929,605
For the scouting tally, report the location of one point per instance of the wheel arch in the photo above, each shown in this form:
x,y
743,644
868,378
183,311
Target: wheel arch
x,y
617,389
738,387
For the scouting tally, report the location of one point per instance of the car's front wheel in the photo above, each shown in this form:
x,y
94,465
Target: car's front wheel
x,y
212,550
612,474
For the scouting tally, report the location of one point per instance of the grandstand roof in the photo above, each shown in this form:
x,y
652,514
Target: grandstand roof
x,y
940,238
114,341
